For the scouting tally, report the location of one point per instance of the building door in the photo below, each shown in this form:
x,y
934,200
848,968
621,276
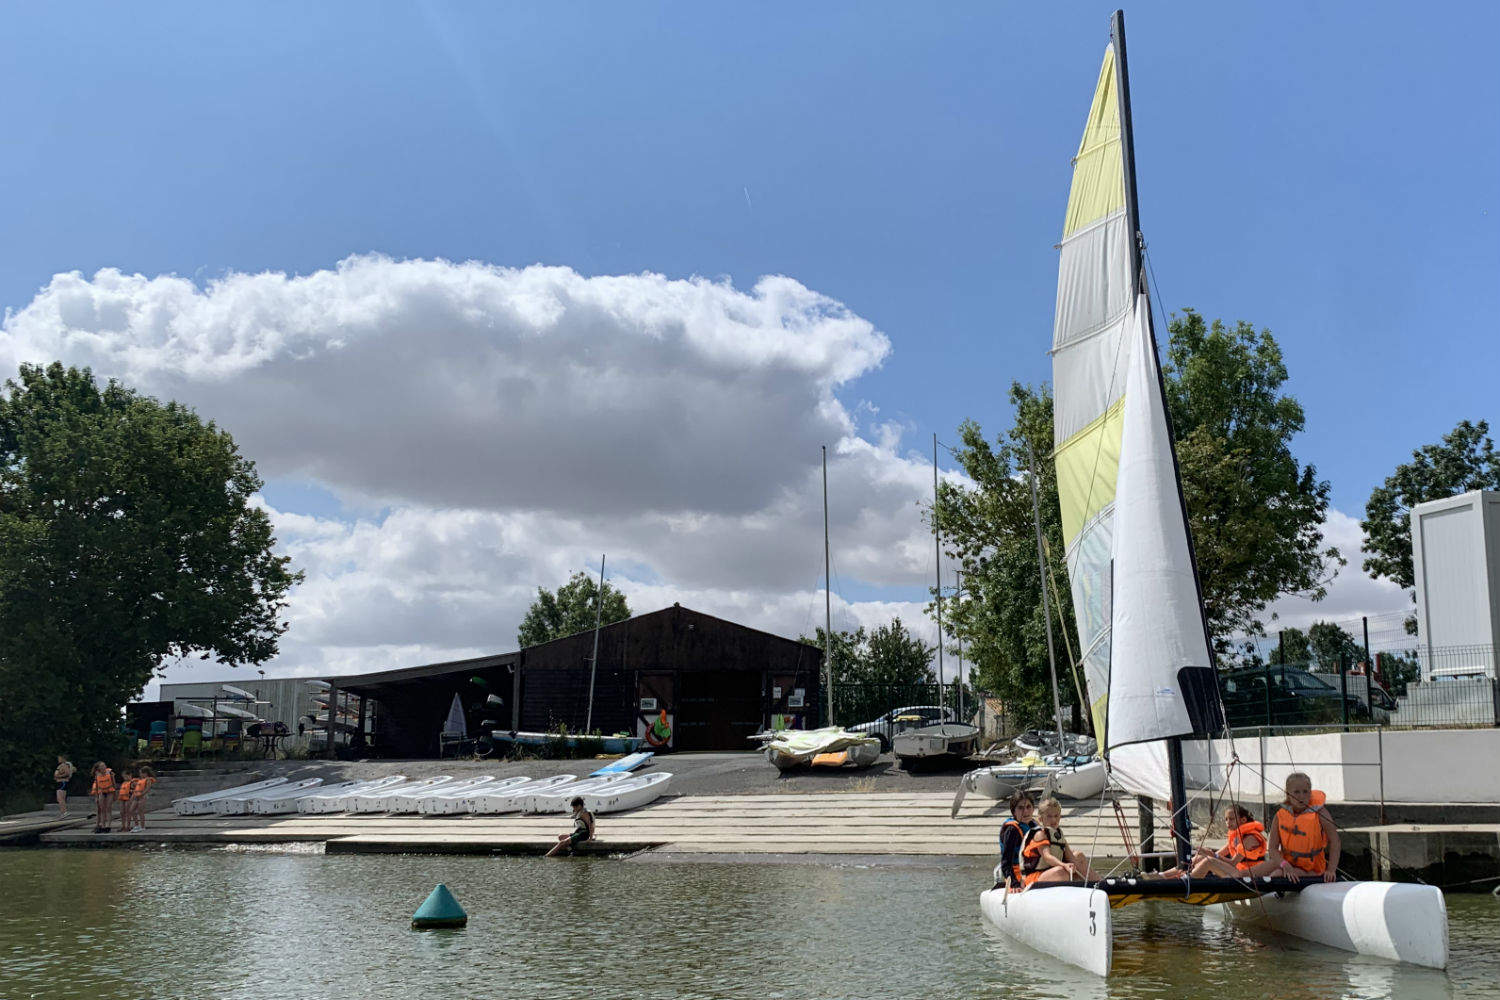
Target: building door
x,y
717,709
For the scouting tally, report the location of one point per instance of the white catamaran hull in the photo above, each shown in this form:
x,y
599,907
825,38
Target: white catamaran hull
x,y
1396,920
1071,923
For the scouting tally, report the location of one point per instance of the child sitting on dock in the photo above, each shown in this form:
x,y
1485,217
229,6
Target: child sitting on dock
x,y
583,829
1046,856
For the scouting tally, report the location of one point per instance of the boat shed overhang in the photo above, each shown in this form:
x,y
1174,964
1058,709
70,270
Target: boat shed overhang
x,y
716,680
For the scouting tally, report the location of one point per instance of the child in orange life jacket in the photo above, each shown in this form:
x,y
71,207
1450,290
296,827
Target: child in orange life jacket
x,y
127,799
103,791
1245,848
1046,856
145,778
1303,839
1012,836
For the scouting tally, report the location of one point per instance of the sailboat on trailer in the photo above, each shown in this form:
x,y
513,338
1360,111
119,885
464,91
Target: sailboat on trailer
x,y
1147,658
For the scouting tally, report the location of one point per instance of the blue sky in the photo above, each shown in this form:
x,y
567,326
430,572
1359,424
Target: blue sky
x,y
1328,171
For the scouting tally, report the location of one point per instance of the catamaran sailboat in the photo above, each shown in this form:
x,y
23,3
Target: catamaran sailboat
x,y
1147,659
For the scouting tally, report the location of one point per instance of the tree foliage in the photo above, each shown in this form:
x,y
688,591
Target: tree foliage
x,y
886,655
572,609
1255,512
128,535
1465,460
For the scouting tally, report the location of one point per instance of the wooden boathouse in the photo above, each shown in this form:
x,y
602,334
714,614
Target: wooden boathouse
x,y
717,681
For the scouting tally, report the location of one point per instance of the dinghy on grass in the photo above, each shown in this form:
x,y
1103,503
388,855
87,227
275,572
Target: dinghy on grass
x,y
513,799
239,805
199,805
334,798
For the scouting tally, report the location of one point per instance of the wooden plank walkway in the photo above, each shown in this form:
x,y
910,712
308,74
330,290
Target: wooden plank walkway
x,y
856,823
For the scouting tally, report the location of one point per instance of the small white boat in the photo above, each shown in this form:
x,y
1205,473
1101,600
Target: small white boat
x,y
239,805
513,799
1083,779
411,802
630,794
931,744
380,799
791,748
335,798
449,801
556,800
292,802
199,805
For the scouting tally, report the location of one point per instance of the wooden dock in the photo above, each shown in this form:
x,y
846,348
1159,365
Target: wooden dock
x,y
785,824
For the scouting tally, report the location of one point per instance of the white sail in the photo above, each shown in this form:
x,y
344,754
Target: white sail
x,y
1135,593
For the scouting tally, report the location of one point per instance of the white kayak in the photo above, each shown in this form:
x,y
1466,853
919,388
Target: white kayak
x,y
452,801
335,798
292,801
380,799
411,801
239,805
495,801
1401,921
556,800
629,794
198,805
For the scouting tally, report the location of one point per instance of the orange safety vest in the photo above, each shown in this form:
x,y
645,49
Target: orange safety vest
x,y
1303,841
127,789
1236,848
1039,840
103,783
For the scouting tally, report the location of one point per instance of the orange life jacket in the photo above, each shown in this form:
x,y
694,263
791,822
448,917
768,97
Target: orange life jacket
x,y
1303,842
1039,840
1236,848
127,789
103,783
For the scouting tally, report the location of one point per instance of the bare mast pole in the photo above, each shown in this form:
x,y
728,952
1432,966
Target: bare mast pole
x,y
937,545
827,598
1041,565
588,726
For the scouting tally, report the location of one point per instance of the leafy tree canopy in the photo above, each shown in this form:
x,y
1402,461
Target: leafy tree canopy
x,y
127,535
572,609
888,655
1255,512
1465,460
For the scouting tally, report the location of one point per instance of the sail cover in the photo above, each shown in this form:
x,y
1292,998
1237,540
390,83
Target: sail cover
x,y
1135,592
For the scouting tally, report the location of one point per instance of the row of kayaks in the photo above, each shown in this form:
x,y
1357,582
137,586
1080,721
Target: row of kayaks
x,y
440,795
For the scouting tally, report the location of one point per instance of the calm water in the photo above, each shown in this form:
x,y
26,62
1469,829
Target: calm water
x,y
233,924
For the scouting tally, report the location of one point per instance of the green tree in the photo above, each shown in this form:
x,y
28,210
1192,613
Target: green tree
x,y
893,656
1333,648
573,609
1397,670
1255,512
1293,649
1465,460
843,653
128,535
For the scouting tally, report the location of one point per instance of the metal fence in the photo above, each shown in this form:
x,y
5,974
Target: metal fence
x,y
854,704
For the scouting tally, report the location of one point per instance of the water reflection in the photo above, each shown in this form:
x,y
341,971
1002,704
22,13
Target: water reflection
x,y
249,925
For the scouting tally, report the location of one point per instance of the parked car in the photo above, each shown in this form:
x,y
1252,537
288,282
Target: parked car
x,y
887,725
1298,698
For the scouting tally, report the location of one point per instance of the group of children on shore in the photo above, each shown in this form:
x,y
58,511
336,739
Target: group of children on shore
x,y
1303,841
131,791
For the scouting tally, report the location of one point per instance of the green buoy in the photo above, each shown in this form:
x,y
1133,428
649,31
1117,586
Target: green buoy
x,y
440,909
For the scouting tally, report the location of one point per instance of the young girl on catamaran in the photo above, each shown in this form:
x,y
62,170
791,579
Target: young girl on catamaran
x,y
1245,848
1012,836
1046,856
1303,839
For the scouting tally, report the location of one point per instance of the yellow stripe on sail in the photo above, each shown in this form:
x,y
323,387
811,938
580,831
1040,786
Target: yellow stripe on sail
x,y
1099,169
1087,466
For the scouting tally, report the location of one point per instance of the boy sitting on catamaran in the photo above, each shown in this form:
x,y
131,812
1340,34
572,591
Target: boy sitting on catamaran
x,y
1046,856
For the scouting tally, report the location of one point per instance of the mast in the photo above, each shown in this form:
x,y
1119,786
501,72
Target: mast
x,y
1181,824
958,591
588,726
1041,565
827,598
937,545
